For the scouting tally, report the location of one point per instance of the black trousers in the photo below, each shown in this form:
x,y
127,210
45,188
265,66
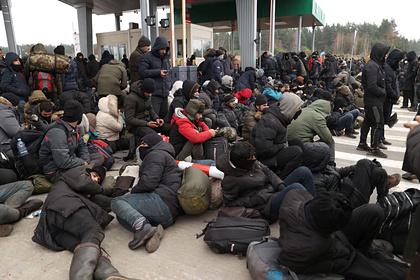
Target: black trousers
x,y
408,95
374,120
288,159
80,227
160,106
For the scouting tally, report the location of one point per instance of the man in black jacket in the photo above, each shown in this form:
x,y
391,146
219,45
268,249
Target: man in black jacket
x,y
325,235
152,204
373,81
155,65
409,81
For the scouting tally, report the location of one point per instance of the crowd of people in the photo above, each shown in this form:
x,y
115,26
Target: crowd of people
x,y
269,130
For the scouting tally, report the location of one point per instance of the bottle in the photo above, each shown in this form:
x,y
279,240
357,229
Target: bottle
x,y
21,147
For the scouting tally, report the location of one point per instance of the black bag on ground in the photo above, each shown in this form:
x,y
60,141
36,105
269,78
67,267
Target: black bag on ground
x,y
214,147
234,234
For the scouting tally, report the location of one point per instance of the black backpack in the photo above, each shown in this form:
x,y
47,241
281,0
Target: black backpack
x,y
234,234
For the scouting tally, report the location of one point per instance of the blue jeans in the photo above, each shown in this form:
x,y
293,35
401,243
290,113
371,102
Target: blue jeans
x,y
303,176
12,196
346,121
131,207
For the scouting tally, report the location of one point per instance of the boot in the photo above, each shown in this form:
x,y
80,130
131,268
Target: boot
x,y
377,153
350,135
153,243
385,142
141,236
393,120
363,147
106,271
382,146
5,230
84,261
393,180
29,206
408,176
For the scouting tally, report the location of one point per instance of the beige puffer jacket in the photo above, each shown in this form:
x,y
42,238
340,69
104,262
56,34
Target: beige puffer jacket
x,y
109,122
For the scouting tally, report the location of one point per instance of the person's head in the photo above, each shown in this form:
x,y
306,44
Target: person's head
x,y
46,109
97,174
80,56
190,89
309,83
11,98
230,101
328,212
265,55
92,57
214,87
227,81
147,142
194,109
261,103
73,113
242,155
148,87
291,105
60,50
144,44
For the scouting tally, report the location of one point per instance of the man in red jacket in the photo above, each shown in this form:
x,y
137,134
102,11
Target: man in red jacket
x,y
189,132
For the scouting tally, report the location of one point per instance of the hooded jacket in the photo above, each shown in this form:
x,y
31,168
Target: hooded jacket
x,y
151,64
65,198
92,67
246,80
80,96
373,76
391,68
312,121
412,154
184,130
32,107
159,173
109,122
269,136
138,109
12,81
411,72
269,65
9,124
135,58
111,78
290,104
182,97
69,79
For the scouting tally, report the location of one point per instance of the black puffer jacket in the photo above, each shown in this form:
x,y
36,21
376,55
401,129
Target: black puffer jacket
x,y
391,67
159,173
373,76
329,70
138,109
270,136
412,154
66,197
411,72
151,64
80,96
250,189
246,80
303,249
269,65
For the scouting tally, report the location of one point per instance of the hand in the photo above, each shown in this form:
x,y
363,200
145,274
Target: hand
x,y
163,73
152,124
212,132
160,122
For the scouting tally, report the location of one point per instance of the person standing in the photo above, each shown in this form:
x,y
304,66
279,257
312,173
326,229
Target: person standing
x,y
409,81
373,81
143,47
155,65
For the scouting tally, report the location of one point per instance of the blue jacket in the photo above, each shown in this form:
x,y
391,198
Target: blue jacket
x,y
13,81
70,78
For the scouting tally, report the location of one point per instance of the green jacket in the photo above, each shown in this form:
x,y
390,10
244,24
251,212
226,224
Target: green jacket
x,y
111,78
312,121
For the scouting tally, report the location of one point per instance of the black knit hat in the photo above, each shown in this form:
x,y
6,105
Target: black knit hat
x,y
60,50
261,99
12,98
73,111
151,139
228,98
149,85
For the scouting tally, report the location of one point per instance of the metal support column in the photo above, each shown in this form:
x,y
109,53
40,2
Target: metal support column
x,y
172,31
8,25
118,21
246,11
144,13
313,37
184,33
299,38
272,38
84,20
154,30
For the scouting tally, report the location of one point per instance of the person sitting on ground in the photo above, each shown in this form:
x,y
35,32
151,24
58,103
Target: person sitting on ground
x,y
13,204
63,147
248,183
152,204
109,123
189,90
323,234
247,80
210,96
9,122
231,113
38,110
269,136
70,220
12,79
188,132
411,163
253,115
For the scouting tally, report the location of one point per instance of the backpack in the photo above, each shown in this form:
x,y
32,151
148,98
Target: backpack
x,y
194,193
234,234
261,261
43,81
215,147
102,148
29,165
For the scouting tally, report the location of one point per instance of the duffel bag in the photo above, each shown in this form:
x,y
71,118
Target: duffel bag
x,y
261,261
194,193
50,63
234,234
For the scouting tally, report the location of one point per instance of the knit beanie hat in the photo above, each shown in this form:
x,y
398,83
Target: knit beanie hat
x,y
260,100
193,107
328,212
73,111
149,85
12,98
144,41
60,50
227,81
228,98
152,139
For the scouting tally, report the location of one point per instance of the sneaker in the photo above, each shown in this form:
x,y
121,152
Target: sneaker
x,y
377,153
363,147
385,142
141,236
408,176
350,135
153,243
393,180
382,146
5,230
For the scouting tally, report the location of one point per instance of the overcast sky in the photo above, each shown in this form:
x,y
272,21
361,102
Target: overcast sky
x,y
53,22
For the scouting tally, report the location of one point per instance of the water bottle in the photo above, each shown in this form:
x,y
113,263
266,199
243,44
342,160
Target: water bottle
x,y
21,147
